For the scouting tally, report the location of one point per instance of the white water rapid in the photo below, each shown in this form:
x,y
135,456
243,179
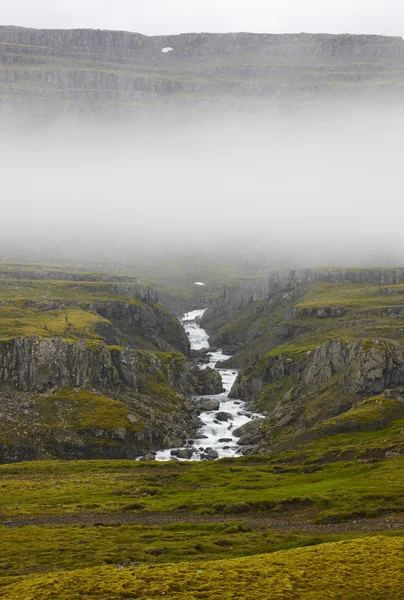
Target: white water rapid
x,y
214,434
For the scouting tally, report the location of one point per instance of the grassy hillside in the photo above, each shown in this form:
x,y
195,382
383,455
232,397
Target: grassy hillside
x,y
49,302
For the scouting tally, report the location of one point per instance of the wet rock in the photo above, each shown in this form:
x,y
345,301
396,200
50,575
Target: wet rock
x,y
208,405
148,457
208,381
225,440
224,416
175,443
211,454
184,453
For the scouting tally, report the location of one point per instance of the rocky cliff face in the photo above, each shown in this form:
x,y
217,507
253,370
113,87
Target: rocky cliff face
x,y
83,400
112,71
264,288
365,367
302,391
35,365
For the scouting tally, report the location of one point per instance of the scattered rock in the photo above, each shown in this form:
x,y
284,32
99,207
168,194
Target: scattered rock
x,y
224,416
148,457
390,455
184,453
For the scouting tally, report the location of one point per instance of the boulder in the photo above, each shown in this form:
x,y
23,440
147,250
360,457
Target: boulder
x,y
224,416
184,453
148,457
208,381
250,428
210,454
208,405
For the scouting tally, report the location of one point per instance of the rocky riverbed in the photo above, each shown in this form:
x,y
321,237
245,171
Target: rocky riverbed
x,y
224,419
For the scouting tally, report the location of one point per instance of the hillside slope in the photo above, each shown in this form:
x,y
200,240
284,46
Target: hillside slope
x,y
91,366
322,356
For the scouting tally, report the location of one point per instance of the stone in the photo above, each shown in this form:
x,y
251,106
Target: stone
x,y
148,457
391,454
208,405
184,453
224,416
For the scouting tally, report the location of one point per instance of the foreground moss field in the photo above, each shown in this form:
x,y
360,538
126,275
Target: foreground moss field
x,y
95,529
345,570
327,493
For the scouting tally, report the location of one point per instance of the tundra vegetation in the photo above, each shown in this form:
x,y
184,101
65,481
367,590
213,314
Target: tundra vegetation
x,y
315,497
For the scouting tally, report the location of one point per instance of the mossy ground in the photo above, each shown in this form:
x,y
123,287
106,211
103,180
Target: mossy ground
x,y
229,486
35,302
31,549
366,569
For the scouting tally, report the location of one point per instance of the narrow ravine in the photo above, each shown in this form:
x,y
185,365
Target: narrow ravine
x,y
216,437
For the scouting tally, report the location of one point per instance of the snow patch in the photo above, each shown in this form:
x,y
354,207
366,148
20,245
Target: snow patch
x,y
168,49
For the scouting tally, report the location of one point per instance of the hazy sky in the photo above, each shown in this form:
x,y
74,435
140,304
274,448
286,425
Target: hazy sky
x,y
175,16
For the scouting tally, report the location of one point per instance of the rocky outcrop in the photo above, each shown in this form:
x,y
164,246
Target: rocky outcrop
x,y
364,367
286,281
86,400
207,381
151,322
35,365
298,393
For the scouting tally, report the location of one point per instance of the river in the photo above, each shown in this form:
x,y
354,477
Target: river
x,y
214,434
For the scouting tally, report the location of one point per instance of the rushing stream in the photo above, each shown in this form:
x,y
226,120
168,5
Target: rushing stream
x,y
214,434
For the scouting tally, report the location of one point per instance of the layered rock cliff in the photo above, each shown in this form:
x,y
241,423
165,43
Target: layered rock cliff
x,y
317,393
282,289
83,400
92,367
127,73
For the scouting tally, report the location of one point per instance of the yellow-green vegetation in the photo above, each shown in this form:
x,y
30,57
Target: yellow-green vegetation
x,y
70,323
84,411
365,568
311,316
48,301
31,548
335,491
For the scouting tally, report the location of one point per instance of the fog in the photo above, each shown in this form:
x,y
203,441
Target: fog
x,y
293,191
156,17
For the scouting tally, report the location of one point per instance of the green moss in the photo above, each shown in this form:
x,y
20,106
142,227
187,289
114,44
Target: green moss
x,y
364,568
18,321
258,484
31,549
84,410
